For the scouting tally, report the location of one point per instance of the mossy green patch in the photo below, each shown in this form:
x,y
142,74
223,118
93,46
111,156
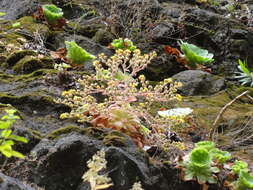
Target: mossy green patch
x,y
34,29
16,56
30,64
103,37
207,108
86,30
95,132
114,138
64,130
26,101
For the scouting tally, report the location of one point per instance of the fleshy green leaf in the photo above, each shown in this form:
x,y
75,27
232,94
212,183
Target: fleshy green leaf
x,y
245,76
18,138
5,124
208,145
6,152
200,157
77,54
52,13
243,67
2,13
219,155
239,166
6,133
195,55
211,180
246,180
123,44
7,143
188,175
16,154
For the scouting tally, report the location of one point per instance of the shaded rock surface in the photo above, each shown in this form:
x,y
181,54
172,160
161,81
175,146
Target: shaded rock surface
x,y
60,164
15,9
197,82
9,183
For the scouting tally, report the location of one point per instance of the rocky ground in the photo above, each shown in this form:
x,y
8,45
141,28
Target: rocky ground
x,y
58,150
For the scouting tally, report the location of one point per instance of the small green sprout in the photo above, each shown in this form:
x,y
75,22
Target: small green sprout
x,y
7,138
52,13
77,54
199,166
244,75
16,25
123,44
2,13
238,166
195,55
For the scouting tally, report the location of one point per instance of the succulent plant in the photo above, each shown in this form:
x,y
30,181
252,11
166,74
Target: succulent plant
x,y
245,181
77,54
122,120
208,145
123,44
239,166
219,155
195,55
52,13
199,166
7,137
244,75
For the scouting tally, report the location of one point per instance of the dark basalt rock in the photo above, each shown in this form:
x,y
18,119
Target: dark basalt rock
x,y
196,82
9,183
15,9
60,164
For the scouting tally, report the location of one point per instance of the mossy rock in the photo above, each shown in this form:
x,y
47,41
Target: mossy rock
x,y
64,130
2,59
16,56
95,132
115,138
206,108
103,37
88,30
35,100
30,64
31,29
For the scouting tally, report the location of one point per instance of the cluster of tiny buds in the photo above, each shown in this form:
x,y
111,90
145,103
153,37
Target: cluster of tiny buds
x,y
117,85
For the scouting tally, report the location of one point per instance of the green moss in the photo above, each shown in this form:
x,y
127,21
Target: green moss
x,y
86,30
103,37
30,64
13,58
95,132
33,28
36,134
207,108
114,138
2,58
64,130
37,99
34,75
8,78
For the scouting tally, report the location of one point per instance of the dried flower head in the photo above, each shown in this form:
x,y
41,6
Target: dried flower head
x,y
96,165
